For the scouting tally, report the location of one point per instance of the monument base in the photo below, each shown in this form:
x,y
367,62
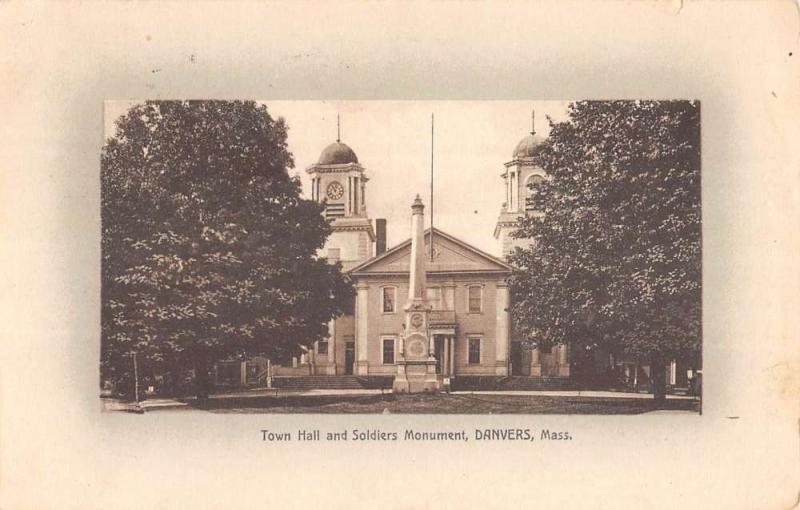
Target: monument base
x,y
416,377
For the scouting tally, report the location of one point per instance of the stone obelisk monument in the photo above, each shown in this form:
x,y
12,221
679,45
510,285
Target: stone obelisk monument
x,y
416,366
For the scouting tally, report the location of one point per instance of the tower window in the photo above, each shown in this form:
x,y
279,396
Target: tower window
x,y
530,184
334,210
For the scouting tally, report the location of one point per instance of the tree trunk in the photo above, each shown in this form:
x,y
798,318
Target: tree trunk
x,y
658,377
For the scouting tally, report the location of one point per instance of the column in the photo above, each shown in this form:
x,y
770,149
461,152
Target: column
x,y
511,207
501,331
362,331
330,369
515,191
563,360
508,190
356,201
452,356
444,362
536,363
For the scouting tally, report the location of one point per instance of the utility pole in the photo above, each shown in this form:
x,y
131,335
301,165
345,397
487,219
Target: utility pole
x,y
431,205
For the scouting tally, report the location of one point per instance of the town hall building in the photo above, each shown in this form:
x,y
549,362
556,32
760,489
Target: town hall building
x,y
465,296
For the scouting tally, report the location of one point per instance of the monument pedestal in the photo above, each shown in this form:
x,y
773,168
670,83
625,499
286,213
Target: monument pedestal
x,y
416,377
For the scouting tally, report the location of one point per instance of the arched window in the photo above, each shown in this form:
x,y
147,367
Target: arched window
x,y
531,183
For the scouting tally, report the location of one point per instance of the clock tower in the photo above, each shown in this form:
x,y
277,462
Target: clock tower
x,y
339,181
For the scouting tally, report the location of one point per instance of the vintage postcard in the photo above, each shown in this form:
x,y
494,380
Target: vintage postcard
x,y
556,270
399,255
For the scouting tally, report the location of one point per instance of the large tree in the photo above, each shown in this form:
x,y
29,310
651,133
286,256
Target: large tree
x,y
208,250
616,253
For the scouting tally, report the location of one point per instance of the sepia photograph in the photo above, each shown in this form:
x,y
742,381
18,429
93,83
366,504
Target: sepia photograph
x,y
456,257
399,255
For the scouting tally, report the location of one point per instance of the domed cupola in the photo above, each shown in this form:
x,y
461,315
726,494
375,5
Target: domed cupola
x,y
527,147
337,153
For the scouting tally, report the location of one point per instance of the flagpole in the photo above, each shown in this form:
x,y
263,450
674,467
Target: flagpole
x,y
431,186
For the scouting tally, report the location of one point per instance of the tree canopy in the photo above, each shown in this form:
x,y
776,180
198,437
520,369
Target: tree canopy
x,y
208,250
616,253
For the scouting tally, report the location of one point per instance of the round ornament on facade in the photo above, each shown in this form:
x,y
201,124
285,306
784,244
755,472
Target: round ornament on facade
x,y
416,348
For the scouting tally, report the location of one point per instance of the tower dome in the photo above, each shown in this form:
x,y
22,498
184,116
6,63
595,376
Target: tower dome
x,y
337,153
526,148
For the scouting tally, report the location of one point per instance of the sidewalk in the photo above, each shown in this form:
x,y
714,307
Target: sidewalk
x,y
112,404
573,393
173,404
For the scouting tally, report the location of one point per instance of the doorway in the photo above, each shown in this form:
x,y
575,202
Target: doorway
x,y
349,357
516,358
438,349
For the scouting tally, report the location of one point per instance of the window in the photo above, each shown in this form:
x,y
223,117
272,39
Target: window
x,y
322,347
389,299
475,299
474,350
388,351
532,182
434,295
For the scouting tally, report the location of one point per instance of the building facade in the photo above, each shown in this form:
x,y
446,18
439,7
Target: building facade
x,y
469,327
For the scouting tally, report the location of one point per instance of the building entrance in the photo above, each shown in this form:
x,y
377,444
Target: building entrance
x,y
516,358
349,357
438,349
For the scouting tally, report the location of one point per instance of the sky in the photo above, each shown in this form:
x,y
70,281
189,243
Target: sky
x,y
392,139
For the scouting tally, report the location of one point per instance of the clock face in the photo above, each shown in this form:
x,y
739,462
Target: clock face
x,y
334,191
416,320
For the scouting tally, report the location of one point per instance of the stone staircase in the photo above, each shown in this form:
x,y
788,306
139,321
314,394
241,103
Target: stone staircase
x,y
330,382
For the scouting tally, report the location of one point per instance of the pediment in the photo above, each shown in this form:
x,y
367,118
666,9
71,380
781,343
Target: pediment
x,y
449,255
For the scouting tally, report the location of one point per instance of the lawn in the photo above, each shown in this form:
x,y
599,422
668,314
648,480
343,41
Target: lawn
x,y
439,404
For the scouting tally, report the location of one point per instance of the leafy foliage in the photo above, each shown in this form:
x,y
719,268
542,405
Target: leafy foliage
x,y
208,249
616,254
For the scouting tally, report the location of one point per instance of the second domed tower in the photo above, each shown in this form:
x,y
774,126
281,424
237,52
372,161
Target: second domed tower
x,y
519,175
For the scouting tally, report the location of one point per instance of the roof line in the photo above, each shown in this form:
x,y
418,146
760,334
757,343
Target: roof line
x,y
441,233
